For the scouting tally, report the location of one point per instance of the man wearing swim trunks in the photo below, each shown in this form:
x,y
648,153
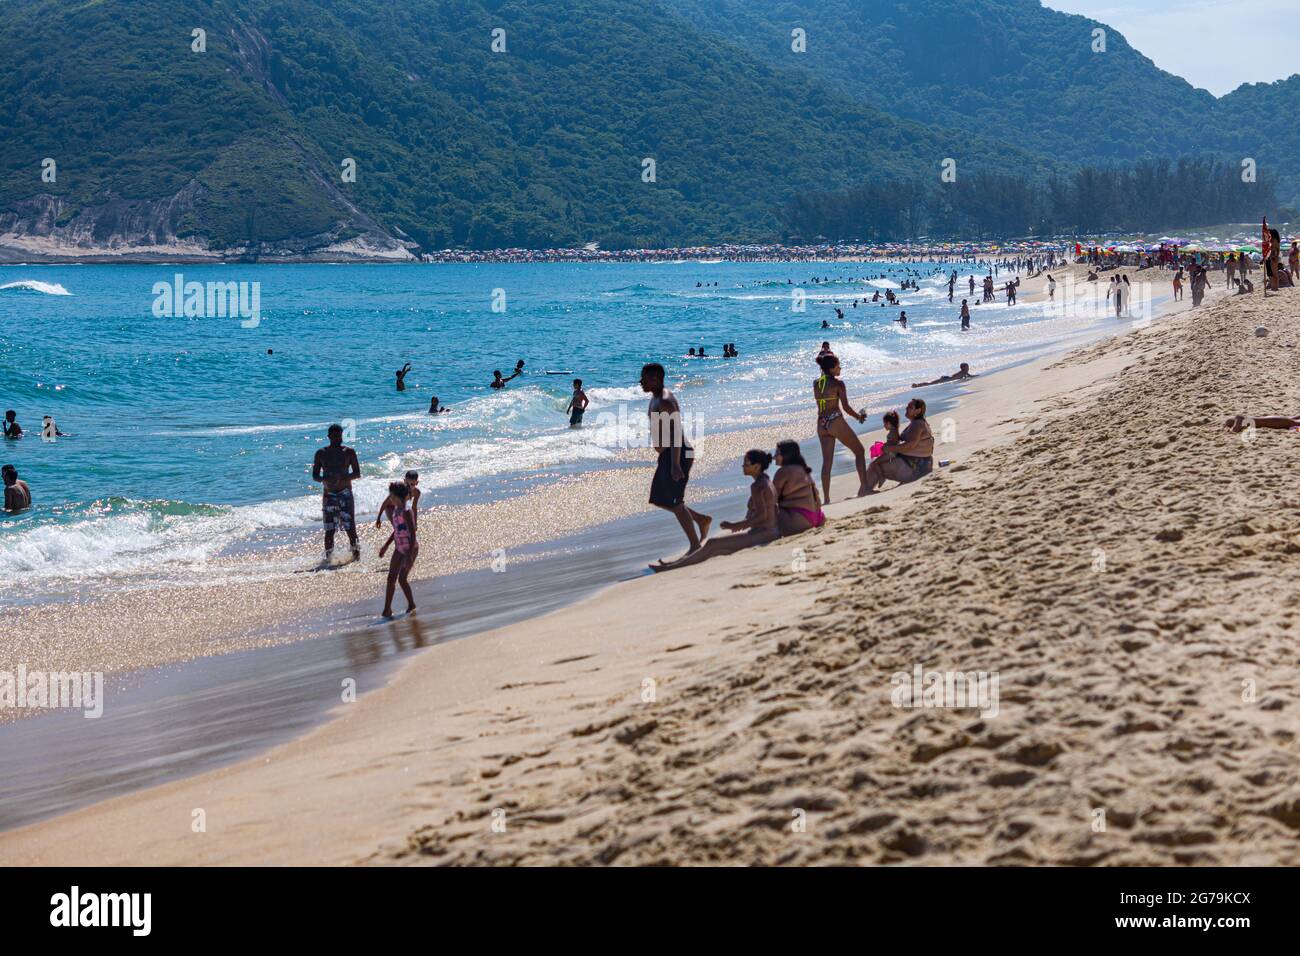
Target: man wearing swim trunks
x,y
668,487
336,467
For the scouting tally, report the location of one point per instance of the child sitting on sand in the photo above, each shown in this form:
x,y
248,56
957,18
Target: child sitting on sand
x,y
891,427
759,525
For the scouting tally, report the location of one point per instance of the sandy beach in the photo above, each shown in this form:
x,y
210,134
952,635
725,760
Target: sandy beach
x,y
1100,543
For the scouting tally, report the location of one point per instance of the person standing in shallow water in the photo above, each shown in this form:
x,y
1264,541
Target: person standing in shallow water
x,y
336,467
577,404
18,497
673,470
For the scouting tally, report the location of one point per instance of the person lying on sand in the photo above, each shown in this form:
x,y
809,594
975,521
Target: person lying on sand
x,y
1239,423
909,460
962,373
758,527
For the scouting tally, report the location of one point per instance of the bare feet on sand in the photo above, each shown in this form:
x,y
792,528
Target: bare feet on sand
x,y
703,522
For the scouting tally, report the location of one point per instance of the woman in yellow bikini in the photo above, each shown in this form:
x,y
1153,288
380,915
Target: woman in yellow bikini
x,y
832,405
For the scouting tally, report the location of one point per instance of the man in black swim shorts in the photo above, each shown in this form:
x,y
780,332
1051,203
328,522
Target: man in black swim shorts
x,y
668,487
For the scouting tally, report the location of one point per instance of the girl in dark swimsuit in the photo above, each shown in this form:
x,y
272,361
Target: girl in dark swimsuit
x,y
832,405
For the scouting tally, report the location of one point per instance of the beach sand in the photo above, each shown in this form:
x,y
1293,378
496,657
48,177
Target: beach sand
x,y
1121,562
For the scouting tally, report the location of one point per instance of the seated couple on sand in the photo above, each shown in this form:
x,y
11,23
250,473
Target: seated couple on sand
x,y
787,503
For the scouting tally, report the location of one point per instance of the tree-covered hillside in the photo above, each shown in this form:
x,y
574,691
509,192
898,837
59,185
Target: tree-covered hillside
x,y
542,144
1019,71
491,123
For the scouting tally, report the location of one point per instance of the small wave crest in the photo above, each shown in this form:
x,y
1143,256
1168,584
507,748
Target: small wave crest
x,y
35,285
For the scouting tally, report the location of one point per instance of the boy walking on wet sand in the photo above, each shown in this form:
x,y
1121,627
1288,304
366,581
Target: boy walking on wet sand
x,y
668,487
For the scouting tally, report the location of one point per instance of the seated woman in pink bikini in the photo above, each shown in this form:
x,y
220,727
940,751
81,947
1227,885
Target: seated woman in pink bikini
x,y
759,526
798,508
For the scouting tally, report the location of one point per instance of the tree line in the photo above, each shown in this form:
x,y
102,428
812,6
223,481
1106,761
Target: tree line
x,y
1149,195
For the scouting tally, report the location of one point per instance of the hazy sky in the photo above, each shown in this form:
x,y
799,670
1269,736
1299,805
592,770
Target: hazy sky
x,y
1214,44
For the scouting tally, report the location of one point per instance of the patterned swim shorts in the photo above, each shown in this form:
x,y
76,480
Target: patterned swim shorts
x,y
339,511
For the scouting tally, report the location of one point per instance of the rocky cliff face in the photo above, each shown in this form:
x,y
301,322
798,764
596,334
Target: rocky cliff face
x,y
48,228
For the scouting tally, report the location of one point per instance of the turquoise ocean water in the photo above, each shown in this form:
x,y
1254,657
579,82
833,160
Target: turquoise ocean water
x,y
188,439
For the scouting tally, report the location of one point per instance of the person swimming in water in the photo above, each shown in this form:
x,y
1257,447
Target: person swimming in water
x,y
832,405
499,382
902,319
11,427
577,404
758,527
18,497
401,377
435,408
50,429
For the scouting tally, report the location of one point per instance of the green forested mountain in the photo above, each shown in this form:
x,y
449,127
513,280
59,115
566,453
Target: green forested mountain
x,y
1020,71
239,148
542,144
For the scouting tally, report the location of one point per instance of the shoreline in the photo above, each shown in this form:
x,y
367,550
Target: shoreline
x,y
973,397
264,602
